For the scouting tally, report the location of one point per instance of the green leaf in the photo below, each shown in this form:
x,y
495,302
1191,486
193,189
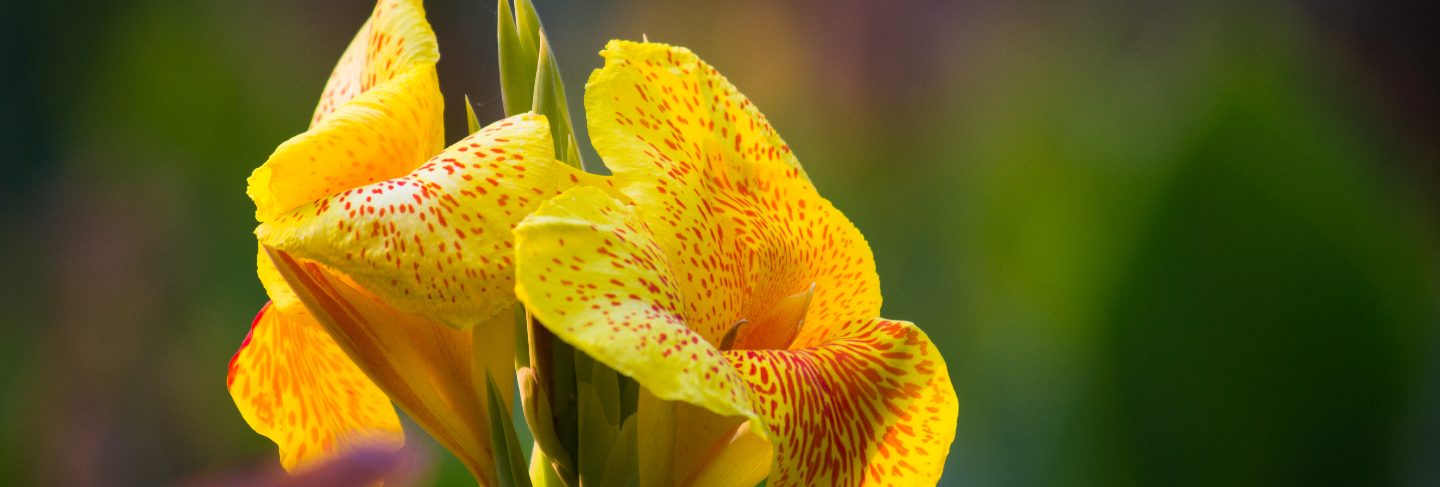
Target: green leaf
x,y
596,436
527,24
510,467
607,434
622,466
529,77
471,121
549,100
517,61
606,383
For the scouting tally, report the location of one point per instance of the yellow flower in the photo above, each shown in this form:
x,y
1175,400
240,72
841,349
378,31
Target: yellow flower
x,y
727,282
388,261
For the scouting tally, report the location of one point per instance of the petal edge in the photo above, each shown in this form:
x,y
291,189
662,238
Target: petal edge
x,y
876,408
294,385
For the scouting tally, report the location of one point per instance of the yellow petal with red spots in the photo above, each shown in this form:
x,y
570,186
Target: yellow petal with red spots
x,y
729,247
437,241
381,134
392,41
654,106
590,271
751,228
380,117
294,385
873,407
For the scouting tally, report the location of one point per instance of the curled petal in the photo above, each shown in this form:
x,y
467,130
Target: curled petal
x,y
395,39
590,271
436,241
874,408
384,133
294,385
380,116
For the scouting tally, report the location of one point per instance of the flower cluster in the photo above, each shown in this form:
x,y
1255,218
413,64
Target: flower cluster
x,y
706,270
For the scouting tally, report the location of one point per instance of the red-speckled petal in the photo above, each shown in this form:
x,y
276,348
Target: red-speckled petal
x,y
758,264
380,116
294,385
590,271
743,227
654,101
874,408
392,41
437,241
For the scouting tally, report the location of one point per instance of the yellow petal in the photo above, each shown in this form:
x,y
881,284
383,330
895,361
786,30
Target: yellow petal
x,y
873,408
589,270
392,41
872,402
728,240
383,133
726,199
379,117
429,370
652,107
436,241
294,385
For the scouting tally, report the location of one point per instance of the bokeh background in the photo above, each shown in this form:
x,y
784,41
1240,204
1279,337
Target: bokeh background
x,y
1160,243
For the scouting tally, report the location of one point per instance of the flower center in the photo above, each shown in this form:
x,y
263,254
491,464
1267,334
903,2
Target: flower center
x,y
773,330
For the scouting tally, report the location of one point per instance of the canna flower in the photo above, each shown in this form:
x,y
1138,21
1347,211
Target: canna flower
x,y
724,282
388,259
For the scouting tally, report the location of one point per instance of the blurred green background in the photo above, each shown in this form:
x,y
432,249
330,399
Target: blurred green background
x,y
1160,243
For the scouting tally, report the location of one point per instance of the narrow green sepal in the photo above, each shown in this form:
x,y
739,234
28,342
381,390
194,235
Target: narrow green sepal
x,y
527,24
529,77
517,61
549,100
607,434
511,469
622,468
471,121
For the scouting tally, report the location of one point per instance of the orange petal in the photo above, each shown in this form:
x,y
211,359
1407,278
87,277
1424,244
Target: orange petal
x,y
294,385
437,241
429,370
874,408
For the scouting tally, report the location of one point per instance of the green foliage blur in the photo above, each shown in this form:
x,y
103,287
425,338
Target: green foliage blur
x,y
1176,243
